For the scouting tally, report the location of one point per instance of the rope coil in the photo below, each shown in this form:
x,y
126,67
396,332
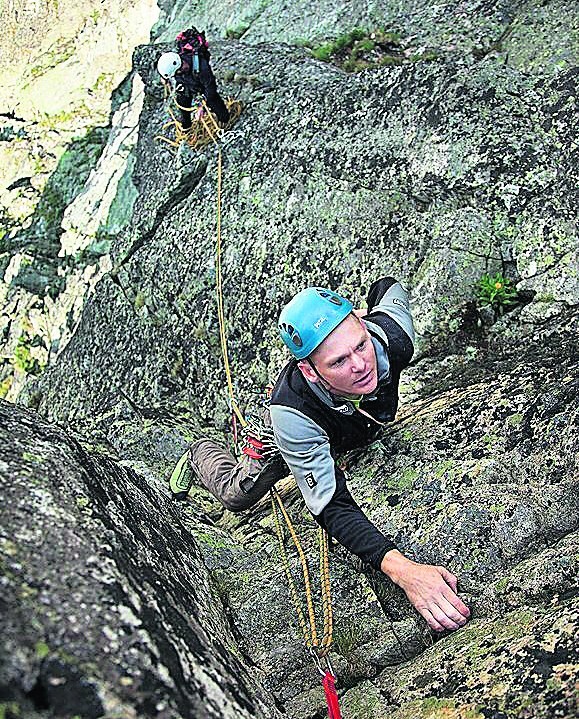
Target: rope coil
x,y
204,129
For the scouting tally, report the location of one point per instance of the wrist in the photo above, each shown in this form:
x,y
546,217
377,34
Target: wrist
x,y
395,565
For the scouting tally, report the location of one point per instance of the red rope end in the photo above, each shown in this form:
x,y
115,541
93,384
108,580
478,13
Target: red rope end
x,y
329,684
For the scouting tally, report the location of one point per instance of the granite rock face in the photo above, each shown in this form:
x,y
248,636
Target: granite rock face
x,y
453,162
540,37
448,167
478,473
107,608
432,172
61,64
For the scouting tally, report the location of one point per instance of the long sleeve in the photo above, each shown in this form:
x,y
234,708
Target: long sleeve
x,y
389,307
388,296
306,449
347,523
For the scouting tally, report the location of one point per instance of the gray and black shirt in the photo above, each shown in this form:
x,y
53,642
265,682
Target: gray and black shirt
x,y
312,426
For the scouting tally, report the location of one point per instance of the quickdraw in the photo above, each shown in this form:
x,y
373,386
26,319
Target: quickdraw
x,y
258,439
318,647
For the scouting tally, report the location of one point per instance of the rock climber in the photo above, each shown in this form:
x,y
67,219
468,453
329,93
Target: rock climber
x,y
338,391
188,71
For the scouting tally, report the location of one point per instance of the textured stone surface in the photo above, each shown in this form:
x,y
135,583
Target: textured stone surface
x,y
523,665
107,609
411,180
59,65
436,172
482,480
536,36
479,473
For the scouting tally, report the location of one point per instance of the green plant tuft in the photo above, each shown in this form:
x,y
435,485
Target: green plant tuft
x,y
9,710
5,386
346,639
234,33
496,291
362,49
41,650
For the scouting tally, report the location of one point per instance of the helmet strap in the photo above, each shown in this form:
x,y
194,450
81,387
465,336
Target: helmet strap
x,y
324,381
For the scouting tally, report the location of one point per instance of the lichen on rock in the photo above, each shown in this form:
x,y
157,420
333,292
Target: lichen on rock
x,y
106,610
453,164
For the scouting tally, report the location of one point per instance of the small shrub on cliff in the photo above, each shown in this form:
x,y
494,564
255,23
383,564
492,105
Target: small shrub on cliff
x,y
361,49
5,386
346,639
496,291
234,33
328,49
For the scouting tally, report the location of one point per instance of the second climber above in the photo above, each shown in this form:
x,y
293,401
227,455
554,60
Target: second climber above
x,y
188,71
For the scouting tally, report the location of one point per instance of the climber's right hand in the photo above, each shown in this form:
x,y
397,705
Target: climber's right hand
x,y
432,590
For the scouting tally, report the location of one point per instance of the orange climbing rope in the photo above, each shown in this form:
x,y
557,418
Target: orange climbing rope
x,y
204,128
319,647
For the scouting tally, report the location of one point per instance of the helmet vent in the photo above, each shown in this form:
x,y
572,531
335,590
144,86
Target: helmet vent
x,y
306,321
331,297
294,335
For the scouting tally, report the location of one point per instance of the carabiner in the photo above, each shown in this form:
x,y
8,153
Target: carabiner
x,y
317,661
320,661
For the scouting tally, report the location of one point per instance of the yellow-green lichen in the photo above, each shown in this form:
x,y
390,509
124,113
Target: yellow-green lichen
x,y
41,649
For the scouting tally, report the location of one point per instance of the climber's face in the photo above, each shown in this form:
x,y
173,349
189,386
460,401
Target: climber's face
x,y
345,362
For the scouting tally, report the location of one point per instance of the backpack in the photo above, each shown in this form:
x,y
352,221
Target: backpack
x,y
191,46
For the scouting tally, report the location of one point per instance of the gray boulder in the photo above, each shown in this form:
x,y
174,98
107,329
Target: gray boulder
x,y
107,608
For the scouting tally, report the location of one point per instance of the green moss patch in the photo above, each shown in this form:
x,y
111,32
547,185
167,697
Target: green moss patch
x,y
433,708
361,49
42,239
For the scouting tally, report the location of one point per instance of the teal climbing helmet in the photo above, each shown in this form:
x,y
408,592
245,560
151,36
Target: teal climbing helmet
x,y
306,321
